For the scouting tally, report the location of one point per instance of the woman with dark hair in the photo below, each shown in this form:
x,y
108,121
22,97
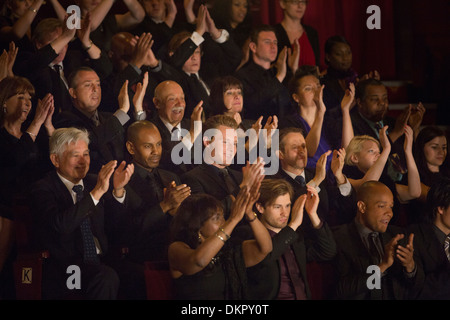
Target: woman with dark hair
x,y
203,263
19,162
339,73
430,153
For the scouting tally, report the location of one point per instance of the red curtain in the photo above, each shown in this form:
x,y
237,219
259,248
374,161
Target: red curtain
x,y
372,49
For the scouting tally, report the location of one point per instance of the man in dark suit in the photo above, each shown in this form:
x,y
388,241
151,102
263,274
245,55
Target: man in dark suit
x,y
153,196
106,129
51,64
334,199
369,241
213,176
282,274
71,219
372,114
431,243
172,125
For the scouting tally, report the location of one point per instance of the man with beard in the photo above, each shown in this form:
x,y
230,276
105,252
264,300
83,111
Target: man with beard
x,y
369,240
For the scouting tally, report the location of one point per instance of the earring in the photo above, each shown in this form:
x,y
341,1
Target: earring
x,y
199,237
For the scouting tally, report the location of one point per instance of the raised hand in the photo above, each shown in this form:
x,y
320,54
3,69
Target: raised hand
x,y
239,205
312,201
348,101
173,196
281,64
297,212
121,177
138,98
416,117
124,101
337,164
294,56
251,172
409,139
103,179
384,140
201,26
321,168
406,254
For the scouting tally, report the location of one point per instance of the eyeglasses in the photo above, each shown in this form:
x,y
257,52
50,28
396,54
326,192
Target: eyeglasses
x,y
297,2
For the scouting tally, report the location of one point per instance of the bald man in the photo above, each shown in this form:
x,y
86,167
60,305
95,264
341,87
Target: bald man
x,y
169,101
369,240
153,196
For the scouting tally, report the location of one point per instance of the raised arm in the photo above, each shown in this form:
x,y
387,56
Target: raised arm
x,y
19,29
132,17
347,126
413,189
313,137
59,9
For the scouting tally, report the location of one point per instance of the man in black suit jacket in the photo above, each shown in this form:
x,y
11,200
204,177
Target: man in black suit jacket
x,y
106,129
49,67
335,200
213,176
372,114
282,274
429,243
175,130
369,240
60,217
153,196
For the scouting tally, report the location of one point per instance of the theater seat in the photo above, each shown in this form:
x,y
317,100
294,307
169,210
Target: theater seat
x,y
29,261
158,280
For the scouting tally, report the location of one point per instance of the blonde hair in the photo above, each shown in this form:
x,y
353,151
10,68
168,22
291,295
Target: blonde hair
x,y
355,146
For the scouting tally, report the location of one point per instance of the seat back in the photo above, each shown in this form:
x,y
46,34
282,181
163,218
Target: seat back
x,y
158,280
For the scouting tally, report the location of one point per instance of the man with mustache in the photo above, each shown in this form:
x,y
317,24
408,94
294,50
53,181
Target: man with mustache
x,y
106,129
153,196
170,104
369,240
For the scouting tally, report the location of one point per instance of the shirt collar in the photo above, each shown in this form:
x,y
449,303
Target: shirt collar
x,y
69,185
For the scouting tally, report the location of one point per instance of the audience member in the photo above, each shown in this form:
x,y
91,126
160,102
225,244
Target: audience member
x,y
339,73
194,56
226,97
160,21
16,20
214,175
203,265
69,208
171,123
293,156
282,275
25,156
264,92
106,130
364,163
235,16
48,67
430,154
373,106
431,243
323,132
153,196
293,35
105,23
369,240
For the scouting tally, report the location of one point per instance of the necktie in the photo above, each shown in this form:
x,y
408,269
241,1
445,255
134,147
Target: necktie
x,y
447,247
300,180
374,253
90,251
58,69
155,187
176,134
95,119
229,183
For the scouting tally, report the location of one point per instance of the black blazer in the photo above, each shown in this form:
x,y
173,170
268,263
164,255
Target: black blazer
x,y
166,162
264,279
107,141
144,228
436,267
58,219
205,178
351,264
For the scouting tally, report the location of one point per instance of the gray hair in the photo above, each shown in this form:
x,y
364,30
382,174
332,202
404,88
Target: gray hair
x,y
62,137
